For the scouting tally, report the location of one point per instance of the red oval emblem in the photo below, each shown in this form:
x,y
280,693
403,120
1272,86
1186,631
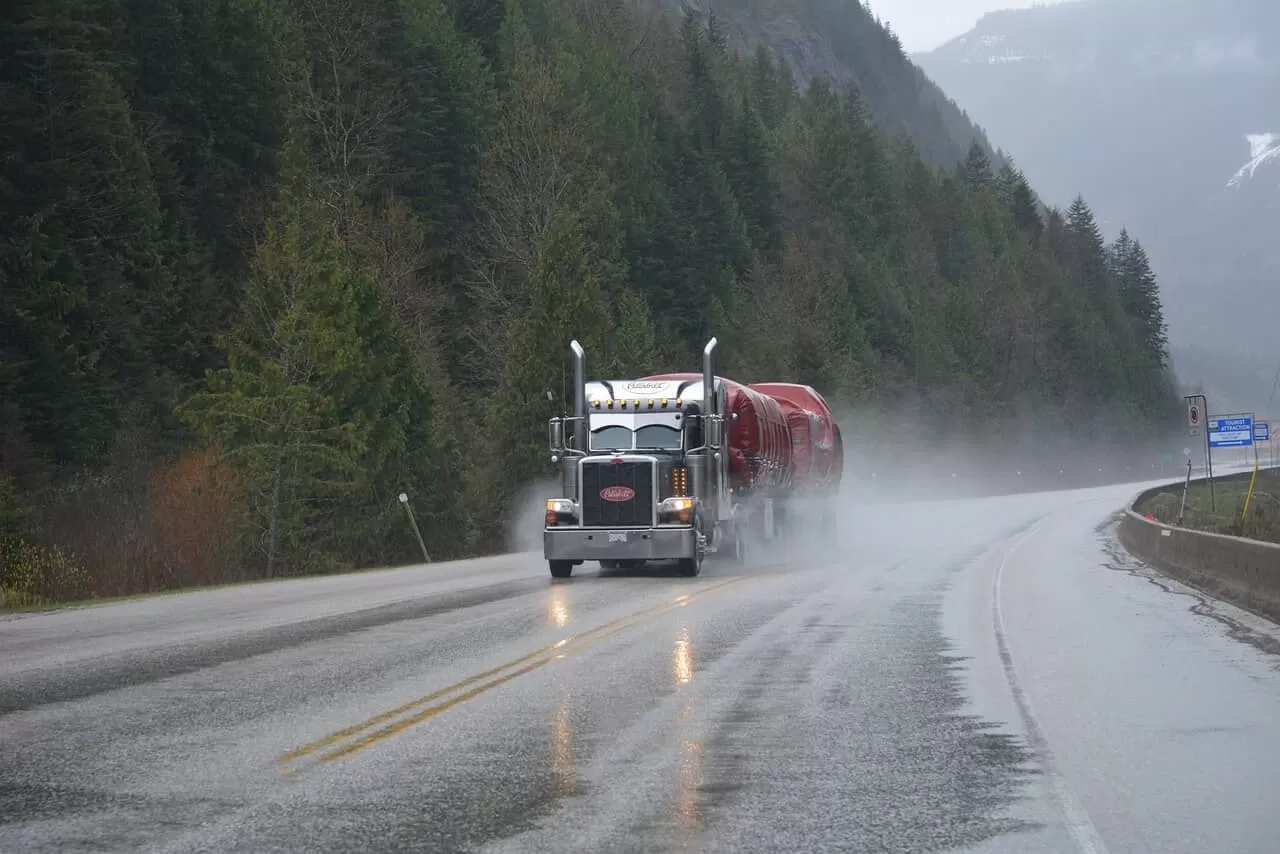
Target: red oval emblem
x,y
617,493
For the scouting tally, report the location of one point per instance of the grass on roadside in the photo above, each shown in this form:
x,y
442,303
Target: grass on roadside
x,y
1222,514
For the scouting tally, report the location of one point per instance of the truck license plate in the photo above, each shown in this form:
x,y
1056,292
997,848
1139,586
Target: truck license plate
x,y
617,536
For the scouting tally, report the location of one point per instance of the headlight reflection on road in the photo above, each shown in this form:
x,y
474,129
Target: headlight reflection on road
x,y
558,607
688,806
682,659
566,782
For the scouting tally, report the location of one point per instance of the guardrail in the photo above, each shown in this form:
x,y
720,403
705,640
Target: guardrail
x,y
1241,571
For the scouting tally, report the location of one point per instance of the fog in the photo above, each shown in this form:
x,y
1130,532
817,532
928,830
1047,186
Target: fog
x,y
1114,100
524,527
925,24
898,459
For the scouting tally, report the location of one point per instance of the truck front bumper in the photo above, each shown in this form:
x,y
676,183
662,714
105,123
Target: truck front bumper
x,y
619,543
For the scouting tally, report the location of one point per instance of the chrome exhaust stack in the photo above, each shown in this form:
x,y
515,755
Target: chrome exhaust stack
x,y
709,379
579,395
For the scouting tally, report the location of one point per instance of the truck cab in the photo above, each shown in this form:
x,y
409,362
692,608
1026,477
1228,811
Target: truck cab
x,y
642,474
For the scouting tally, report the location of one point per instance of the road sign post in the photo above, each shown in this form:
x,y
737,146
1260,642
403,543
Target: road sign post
x,y
1185,486
404,499
1197,407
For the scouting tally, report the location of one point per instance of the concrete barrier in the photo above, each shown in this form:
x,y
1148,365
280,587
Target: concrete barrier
x,y
1238,570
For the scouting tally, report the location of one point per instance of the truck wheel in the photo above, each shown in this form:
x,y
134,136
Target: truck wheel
x,y
691,566
561,568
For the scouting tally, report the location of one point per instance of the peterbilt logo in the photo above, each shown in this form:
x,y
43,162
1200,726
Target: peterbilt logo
x,y
617,493
644,387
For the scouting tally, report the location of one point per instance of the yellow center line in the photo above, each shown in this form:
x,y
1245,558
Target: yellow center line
x,y
584,643
551,652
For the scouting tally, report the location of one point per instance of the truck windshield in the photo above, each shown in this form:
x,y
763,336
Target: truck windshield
x,y
651,437
658,436
613,438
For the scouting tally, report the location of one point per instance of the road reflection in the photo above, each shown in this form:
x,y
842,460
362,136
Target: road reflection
x,y
682,659
558,607
562,750
687,808
688,805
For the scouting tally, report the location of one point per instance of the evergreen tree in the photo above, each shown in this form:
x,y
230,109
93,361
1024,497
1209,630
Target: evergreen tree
x,y
1086,252
977,169
1140,296
277,409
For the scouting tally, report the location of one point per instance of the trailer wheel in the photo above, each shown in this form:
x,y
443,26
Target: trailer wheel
x,y
739,545
561,568
828,520
735,544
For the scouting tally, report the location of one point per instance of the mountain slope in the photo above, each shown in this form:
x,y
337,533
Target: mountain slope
x,y
841,41
1166,115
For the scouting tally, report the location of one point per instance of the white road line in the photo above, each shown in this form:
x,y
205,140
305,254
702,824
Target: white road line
x,y
1078,824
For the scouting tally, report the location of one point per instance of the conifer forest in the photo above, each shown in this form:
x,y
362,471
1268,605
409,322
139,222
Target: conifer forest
x,y
266,264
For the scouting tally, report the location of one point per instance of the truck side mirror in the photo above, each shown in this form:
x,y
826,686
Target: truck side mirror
x,y
555,435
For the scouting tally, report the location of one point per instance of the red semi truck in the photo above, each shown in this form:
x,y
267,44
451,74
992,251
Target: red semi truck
x,y
679,466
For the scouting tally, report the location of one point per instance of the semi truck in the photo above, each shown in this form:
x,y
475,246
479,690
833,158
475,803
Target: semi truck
x,y
674,467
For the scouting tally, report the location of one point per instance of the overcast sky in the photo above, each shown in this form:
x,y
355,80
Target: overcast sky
x,y
925,24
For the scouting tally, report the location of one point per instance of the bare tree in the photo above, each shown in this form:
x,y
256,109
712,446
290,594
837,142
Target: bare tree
x,y
537,167
348,93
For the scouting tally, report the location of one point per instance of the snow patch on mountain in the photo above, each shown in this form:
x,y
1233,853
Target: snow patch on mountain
x,y
1264,148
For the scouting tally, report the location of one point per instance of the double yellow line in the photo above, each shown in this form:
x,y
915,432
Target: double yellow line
x,y
390,723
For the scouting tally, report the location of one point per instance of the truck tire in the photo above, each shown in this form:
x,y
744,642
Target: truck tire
x,y
691,566
561,568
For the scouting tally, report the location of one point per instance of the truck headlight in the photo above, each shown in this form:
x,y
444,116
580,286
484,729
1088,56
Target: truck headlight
x,y
676,509
560,510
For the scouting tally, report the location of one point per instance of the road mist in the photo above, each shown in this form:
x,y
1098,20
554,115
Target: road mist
x,y
903,474
902,457
525,520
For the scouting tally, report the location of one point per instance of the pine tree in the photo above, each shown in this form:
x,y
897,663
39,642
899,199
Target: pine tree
x,y
85,282
749,167
481,20
766,88
977,169
1140,296
277,408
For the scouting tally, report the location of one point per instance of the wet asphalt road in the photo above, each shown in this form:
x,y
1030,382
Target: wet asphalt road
x,y
992,675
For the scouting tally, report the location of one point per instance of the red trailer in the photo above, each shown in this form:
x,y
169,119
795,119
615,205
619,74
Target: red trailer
x,y
818,448
760,443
